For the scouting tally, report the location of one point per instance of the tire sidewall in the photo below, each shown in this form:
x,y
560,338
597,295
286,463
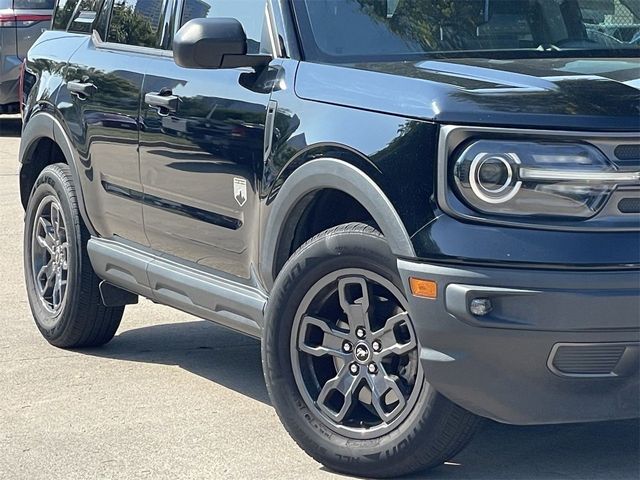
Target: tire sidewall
x,y
314,261
52,183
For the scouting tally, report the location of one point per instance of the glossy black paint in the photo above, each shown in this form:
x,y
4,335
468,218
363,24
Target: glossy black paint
x,y
174,207
194,156
103,125
165,179
574,93
389,149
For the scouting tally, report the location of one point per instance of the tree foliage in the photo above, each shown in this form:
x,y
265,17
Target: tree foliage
x,y
419,20
130,27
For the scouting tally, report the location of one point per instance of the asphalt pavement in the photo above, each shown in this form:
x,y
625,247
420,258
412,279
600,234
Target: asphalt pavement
x,y
179,398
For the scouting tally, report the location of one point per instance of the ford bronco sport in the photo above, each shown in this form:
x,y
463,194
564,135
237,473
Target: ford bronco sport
x,y
428,210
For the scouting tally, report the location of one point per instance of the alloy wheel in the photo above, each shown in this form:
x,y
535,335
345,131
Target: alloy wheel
x,y
355,355
50,255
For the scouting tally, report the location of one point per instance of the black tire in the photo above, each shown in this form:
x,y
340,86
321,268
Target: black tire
x,y
434,431
80,318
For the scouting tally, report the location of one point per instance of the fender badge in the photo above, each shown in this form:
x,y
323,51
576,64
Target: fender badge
x,y
240,191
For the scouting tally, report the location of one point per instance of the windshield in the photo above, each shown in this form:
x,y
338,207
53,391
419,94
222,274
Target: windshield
x,y
370,30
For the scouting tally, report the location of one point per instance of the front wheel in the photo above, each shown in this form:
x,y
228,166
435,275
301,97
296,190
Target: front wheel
x,y
342,361
61,285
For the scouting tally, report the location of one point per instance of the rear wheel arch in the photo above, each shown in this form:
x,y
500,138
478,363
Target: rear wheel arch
x,y
299,195
44,142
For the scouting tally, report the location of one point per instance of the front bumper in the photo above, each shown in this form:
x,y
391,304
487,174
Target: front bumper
x,y
558,346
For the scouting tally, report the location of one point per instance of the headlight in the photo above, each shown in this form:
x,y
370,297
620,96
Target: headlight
x,y
535,179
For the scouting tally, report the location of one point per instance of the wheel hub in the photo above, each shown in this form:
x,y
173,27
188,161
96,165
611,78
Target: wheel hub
x,y
362,353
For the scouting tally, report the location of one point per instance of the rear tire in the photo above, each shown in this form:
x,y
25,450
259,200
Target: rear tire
x,y
301,334
62,288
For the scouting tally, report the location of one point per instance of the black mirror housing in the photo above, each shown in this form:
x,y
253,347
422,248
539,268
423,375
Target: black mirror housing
x,y
214,43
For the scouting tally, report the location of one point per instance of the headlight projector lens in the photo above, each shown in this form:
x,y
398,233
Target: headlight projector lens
x,y
492,177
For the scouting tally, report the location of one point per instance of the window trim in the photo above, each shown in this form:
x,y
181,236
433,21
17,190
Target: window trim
x,y
285,28
176,7
100,44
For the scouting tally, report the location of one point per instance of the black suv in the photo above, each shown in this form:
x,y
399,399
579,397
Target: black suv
x,y
428,211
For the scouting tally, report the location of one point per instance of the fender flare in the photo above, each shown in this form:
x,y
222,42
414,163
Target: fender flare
x,y
44,125
329,173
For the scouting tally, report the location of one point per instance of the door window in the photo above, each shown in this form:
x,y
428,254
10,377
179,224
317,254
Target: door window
x,y
250,13
136,22
63,14
83,15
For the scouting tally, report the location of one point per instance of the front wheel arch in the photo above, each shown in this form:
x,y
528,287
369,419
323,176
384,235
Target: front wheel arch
x,y
44,129
320,174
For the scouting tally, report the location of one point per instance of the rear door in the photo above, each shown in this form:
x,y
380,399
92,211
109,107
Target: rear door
x,y
101,106
200,161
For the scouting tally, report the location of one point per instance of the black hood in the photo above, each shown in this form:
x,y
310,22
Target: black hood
x,y
578,94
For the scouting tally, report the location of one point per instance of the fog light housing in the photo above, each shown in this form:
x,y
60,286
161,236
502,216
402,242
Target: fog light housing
x,y
480,306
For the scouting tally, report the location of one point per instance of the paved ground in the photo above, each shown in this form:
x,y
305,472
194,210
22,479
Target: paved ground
x,y
173,397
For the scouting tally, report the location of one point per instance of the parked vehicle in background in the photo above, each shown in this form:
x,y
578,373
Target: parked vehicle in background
x,y
429,211
21,23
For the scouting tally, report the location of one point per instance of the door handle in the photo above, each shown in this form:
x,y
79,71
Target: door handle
x,y
165,102
82,90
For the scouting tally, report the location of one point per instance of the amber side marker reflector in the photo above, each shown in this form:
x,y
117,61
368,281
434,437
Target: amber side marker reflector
x,y
423,288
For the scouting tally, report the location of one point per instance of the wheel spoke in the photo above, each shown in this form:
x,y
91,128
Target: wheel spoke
x,y
357,309
332,339
64,250
391,323
381,385
58,290
346,385
46,241
46,278
55,220
387,337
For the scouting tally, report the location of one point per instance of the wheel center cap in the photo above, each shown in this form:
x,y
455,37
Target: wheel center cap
x,y
362,353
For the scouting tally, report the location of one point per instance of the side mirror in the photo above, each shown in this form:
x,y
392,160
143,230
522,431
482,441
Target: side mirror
x,y
214,43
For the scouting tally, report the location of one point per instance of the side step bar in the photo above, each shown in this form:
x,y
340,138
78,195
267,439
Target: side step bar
x,y
208,296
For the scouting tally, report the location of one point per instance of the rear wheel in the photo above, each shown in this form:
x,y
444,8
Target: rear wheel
x,y
342,364
62,288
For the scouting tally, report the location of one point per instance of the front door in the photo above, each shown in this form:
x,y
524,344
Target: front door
x,y
201,155
101,105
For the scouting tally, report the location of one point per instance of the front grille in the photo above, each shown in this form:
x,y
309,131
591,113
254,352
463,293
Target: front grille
x,y
592,360
627,156
627,152
629,205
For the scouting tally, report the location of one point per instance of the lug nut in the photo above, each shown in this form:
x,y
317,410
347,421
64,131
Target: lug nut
x,y
347,347
354,368
376,345
360,332
373,368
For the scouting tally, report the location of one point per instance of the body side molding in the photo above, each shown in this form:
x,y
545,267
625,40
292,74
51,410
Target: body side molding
x,y
335,174
199,293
